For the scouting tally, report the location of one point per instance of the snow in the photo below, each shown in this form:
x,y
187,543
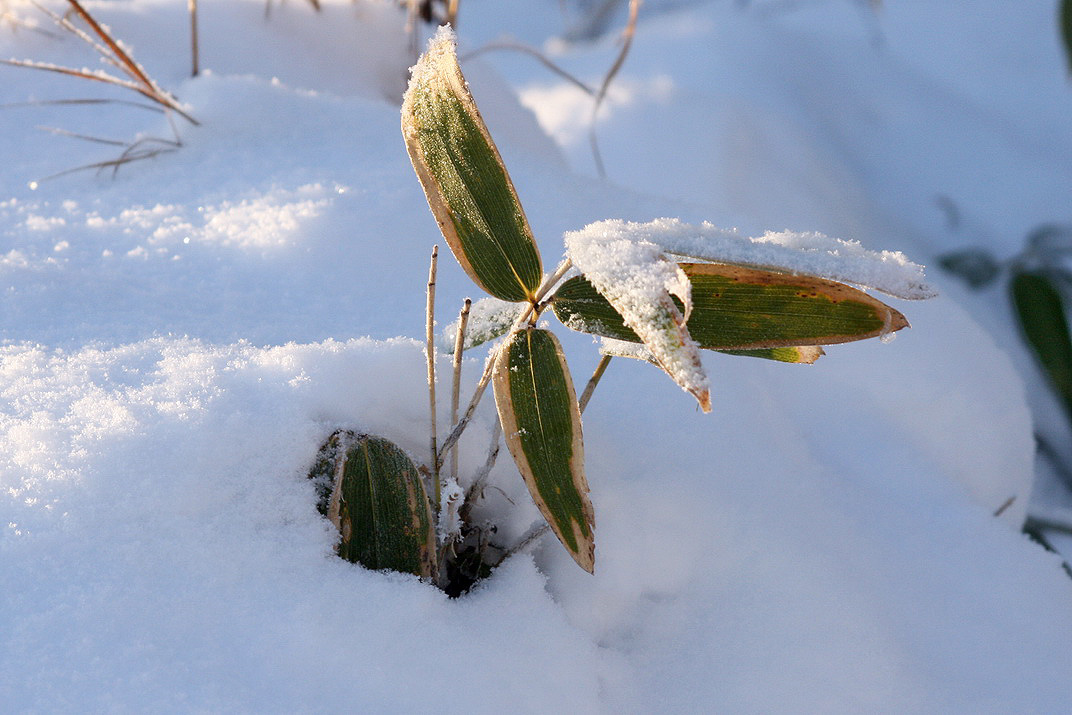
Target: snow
x,y
801,253
637,278
178,340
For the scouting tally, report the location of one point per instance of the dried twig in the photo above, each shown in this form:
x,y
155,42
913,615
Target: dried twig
x,y
627,42
529,310
518,47
601,368
530,537
455,392
476,489
111,52
194,52
431,352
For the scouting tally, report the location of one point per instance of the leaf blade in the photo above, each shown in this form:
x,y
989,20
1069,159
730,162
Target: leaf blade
x,y
378,503
467,186
541,422
1041,312
744,309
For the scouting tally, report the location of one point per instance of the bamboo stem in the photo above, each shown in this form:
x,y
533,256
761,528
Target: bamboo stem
x,y
627,42
455,393
601,368
193,39
429,335
489,367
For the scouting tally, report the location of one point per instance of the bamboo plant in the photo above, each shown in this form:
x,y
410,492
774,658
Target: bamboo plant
x,y
694,305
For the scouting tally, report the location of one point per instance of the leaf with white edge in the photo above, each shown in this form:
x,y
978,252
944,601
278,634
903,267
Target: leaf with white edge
x,y
371,491
811,253
464,179
639,282
742,309
542,427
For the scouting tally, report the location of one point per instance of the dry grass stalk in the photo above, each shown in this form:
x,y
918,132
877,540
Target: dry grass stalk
x,y
455,393
542,58
430,352
112,53
627,43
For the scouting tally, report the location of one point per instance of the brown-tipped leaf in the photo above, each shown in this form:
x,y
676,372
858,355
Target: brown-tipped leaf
x,y
542,427
464,179
744,309
378,503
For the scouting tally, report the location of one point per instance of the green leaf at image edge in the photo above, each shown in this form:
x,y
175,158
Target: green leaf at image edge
x,y
464,179
542,427
1041,312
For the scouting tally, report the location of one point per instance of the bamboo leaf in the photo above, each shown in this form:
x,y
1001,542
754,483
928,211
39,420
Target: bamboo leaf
x,y
1065,22
805,355
641,284
1041,311
464,179
371,490
744,309
542,426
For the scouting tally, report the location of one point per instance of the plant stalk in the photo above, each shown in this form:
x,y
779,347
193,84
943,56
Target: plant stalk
x,y
455,393
601,368
489,367
429,335
193,39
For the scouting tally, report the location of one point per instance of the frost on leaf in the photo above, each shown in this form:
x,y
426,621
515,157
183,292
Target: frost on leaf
x,y
638,280
811,254
489,318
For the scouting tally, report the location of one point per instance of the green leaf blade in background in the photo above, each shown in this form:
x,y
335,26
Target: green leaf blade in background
x,y
542,427
1065,23
464,179
1044,325
378,503
744,309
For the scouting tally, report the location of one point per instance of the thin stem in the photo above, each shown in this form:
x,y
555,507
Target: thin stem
x,y
476,489
194,53
593,381
452,13
489,367
540,57
429,335
627,42
455,393
527,539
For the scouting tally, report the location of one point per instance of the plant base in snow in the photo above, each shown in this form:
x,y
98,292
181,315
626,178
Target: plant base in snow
x,y
374,495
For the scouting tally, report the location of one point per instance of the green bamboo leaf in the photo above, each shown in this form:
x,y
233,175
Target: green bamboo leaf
x,y
803,354
735,309
371,490
542,427
464,179
1066,29
1041,311
806,355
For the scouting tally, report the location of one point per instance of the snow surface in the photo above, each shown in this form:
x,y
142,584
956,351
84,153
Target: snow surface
x,y
179,338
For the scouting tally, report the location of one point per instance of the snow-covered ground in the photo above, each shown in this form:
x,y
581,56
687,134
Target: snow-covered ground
x,y
179,338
